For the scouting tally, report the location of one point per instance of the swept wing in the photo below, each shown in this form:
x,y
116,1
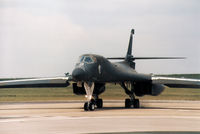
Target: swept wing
x,y
176,82
36,82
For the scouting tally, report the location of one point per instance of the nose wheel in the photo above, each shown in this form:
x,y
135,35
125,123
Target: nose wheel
x,y
99,103
89,106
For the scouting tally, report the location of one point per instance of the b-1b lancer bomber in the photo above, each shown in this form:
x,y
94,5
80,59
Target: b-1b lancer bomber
x,y
92,72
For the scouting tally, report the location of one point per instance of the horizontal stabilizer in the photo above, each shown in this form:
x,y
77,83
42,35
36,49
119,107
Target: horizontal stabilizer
x,y
145,58
156,58
116,58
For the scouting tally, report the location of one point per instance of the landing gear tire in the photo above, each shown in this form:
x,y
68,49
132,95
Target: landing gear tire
x,y
136,103
91,106
99,103
127,103
86,108
132,101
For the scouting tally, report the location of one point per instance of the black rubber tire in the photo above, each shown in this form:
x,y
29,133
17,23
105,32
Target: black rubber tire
x,y
136,103
99,103
127,103
92,101
86,108
91,106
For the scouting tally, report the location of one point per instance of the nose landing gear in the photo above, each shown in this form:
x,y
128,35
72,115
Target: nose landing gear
x,y
89,88
91,104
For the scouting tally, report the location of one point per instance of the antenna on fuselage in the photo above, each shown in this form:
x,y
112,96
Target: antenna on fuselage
x,y
129,55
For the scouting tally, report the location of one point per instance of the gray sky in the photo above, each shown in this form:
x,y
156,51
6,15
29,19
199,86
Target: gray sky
x,y
45,38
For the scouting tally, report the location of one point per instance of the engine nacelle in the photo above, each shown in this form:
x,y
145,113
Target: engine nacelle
x,y
98,89
142,89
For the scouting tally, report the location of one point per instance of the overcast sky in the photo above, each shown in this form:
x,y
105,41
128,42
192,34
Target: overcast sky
x,y
45,37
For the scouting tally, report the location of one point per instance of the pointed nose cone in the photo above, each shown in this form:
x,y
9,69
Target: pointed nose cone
x,y
78,74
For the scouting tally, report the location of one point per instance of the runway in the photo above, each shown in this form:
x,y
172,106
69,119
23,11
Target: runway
x,y
69,117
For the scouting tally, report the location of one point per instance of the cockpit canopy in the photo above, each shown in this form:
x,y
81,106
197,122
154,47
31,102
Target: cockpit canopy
x,y
89,59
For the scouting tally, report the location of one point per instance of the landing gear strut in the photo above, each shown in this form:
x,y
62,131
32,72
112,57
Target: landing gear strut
x,y
91,103
130,101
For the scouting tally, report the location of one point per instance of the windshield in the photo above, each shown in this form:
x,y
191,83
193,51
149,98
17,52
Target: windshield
x,y
86,59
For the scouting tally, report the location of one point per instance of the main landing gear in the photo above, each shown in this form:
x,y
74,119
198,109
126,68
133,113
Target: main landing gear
x,y
91,103
129,102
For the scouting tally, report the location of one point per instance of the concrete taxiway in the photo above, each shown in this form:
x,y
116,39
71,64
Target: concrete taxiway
x,y
69,117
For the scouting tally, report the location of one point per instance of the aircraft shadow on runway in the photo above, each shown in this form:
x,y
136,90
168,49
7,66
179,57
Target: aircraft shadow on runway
x,y
104,108
175,108
40,108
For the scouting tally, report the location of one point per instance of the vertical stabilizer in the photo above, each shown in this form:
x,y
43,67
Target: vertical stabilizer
x,y
129,55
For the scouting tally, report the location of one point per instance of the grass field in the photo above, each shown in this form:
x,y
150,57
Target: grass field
x,y
113,92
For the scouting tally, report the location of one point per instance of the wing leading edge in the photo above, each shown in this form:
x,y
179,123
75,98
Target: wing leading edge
x,y
176,82
36,82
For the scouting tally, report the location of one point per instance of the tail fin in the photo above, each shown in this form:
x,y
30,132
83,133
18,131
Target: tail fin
x,y
129,55
130,58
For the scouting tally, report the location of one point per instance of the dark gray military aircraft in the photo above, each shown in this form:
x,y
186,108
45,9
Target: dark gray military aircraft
x,y
92,72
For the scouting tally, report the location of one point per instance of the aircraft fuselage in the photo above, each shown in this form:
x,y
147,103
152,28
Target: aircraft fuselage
x,y
96,68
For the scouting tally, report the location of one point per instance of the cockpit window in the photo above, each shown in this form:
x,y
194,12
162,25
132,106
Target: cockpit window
x,y
86,59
